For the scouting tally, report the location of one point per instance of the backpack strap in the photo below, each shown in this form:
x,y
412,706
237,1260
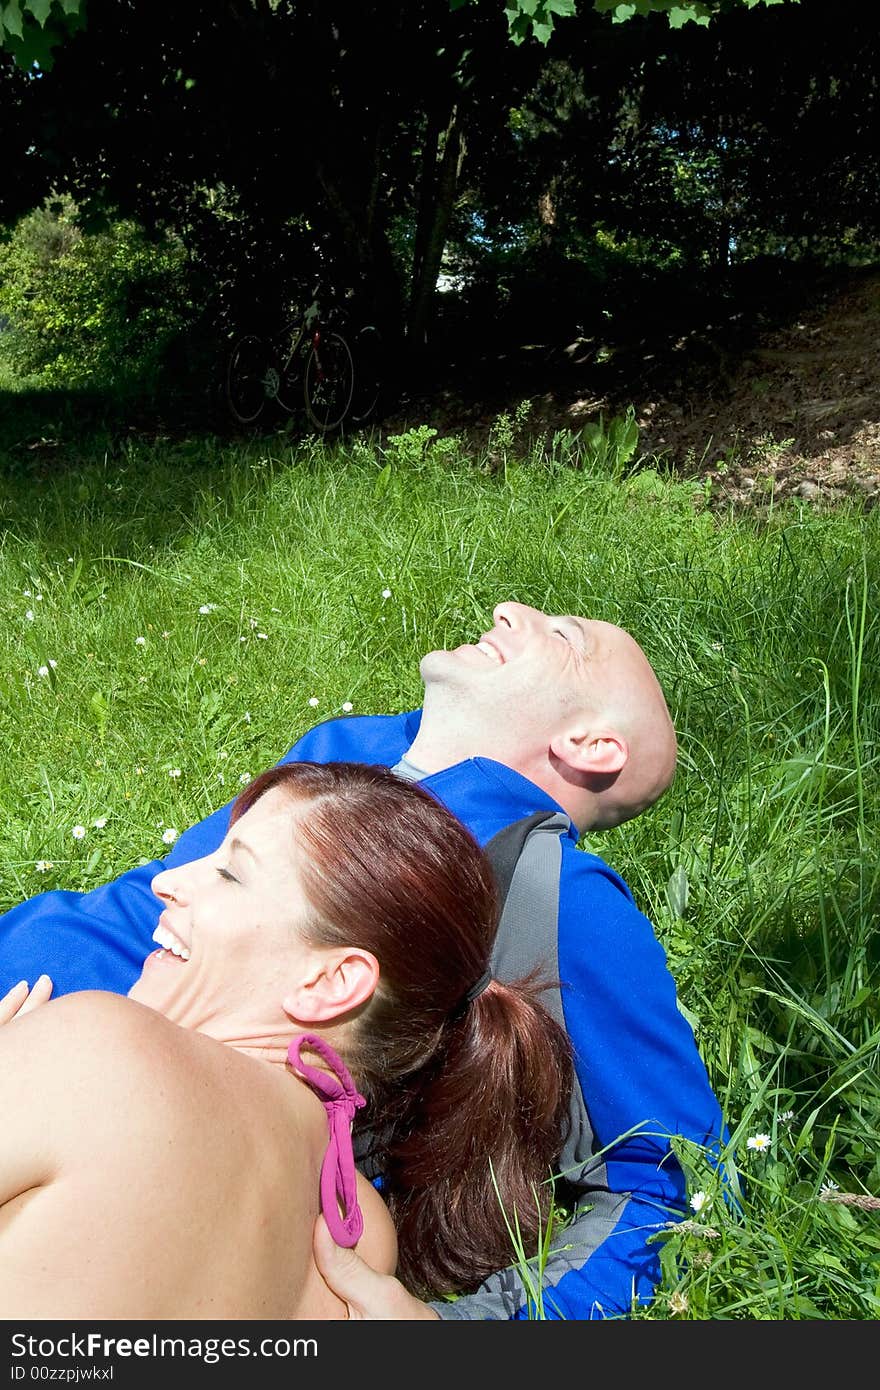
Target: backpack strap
x,y
527,859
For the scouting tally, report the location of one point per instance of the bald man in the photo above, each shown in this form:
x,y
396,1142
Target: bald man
x,y
543,729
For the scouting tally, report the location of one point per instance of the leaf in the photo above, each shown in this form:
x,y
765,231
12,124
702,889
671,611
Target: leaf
x,y
383,478
40,10
828,1261
760,1041
593,435
101,710
677,891
210,705
796,771
861,997
74,576
688,1016
11,18
563,512
806,1307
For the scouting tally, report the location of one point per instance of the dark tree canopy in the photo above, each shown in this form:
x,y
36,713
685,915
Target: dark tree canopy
x,y
383,140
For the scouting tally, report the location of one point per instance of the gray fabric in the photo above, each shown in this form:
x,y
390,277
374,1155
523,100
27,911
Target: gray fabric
x,y
528,935
408,771
502,1296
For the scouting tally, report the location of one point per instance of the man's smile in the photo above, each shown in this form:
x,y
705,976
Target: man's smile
x,y
490,651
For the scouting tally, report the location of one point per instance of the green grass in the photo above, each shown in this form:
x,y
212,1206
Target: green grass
x,y
758,868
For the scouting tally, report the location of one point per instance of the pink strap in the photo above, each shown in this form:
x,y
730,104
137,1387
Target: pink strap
x,y
340,1100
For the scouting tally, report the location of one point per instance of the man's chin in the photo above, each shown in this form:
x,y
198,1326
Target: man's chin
x,y
436,665
446,661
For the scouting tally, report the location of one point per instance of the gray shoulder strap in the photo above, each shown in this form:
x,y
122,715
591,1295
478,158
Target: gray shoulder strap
x,y
527,858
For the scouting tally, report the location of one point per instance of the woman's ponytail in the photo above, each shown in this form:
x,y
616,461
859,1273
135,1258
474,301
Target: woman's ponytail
x,y
468,1179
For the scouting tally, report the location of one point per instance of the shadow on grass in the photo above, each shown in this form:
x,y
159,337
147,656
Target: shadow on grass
x,y
92,471
46,428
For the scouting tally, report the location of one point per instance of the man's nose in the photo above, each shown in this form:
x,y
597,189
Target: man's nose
x,y
514,615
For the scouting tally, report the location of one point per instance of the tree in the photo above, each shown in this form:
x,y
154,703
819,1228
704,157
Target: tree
x,y
274,134
32,29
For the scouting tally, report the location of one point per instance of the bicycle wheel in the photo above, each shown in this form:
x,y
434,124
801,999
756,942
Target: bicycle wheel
x,y
246,376
291,357
328,382
368,373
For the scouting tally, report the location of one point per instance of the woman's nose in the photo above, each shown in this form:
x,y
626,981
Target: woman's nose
x,y
167,885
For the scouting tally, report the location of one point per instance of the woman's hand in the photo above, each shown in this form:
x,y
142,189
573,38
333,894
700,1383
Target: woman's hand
x,y
21,999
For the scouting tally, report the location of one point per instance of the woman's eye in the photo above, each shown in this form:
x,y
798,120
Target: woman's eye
x,y
557,632
224,873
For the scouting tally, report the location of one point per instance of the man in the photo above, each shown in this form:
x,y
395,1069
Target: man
x,y
556,724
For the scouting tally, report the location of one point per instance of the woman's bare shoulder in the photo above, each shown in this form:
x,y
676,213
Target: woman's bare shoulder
x,y
68,1070
90,1015
74,1036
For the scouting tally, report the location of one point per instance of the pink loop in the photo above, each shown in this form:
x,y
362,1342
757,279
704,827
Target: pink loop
x,y
341,1099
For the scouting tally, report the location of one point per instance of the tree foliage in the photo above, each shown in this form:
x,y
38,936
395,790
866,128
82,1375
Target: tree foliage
x,y
548,149
32,29
89,309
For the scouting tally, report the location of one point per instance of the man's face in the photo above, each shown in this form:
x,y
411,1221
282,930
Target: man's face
x,y
528,670
571,703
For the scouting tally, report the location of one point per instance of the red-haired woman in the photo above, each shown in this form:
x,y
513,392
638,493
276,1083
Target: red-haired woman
x,y
165,1155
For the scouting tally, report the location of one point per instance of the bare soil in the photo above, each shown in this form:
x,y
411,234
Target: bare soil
x,y
763,403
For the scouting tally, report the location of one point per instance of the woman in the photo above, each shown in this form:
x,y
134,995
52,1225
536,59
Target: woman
x,y
166,1155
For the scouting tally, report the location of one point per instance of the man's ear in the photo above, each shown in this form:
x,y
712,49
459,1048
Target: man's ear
x,y
339,982
588,751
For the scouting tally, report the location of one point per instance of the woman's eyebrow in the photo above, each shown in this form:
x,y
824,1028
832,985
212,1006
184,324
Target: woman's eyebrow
x,y
243,847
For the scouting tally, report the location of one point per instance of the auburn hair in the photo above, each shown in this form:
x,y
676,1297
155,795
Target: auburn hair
x,y
468,1100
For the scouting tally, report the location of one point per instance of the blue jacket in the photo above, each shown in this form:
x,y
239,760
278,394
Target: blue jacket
x,y
640,1076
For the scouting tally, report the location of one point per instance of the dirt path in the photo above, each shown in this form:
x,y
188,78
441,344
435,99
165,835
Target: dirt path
x,y
760,412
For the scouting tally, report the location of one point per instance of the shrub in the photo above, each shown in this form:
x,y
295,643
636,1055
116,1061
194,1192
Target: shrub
x,y
94,309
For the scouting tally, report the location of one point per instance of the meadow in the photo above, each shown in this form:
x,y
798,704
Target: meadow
x,y
175,612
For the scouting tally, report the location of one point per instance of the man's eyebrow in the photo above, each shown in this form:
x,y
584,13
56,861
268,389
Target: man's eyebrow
x,y
581,630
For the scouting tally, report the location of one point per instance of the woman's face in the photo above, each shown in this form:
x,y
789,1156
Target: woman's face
x,y
229,935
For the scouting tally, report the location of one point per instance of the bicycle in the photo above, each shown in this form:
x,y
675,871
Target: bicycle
x,y
308,363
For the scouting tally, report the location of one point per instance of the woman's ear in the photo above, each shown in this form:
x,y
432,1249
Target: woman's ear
x,y
340,982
